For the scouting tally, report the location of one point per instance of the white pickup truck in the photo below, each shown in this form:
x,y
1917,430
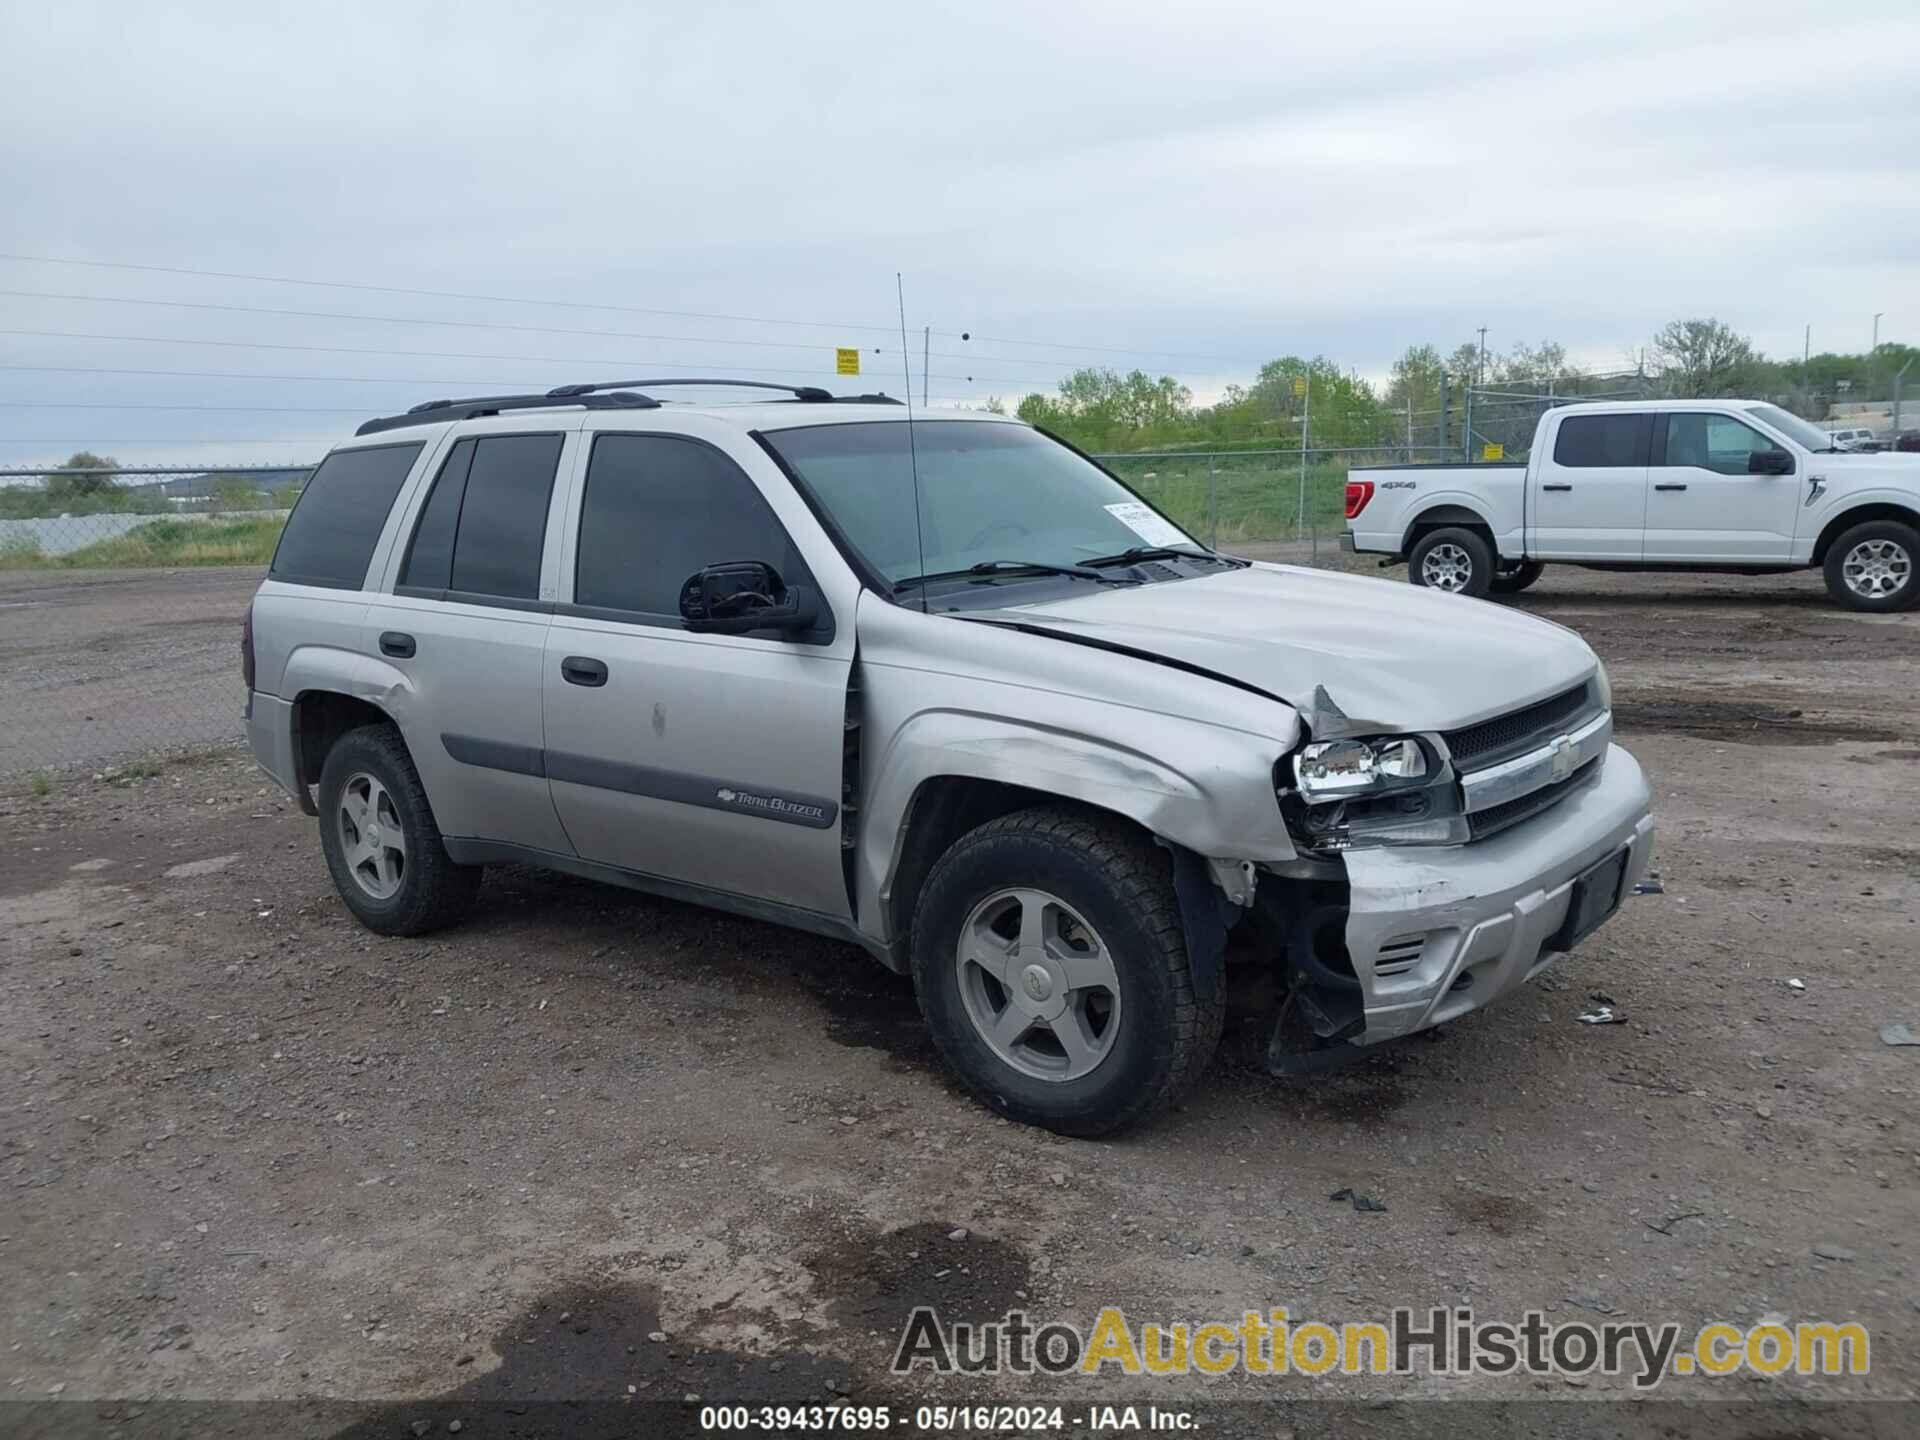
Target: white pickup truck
x,y
1731,485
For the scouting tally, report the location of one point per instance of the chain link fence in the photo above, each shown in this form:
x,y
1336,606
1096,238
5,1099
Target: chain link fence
x,y
121,597
1293,500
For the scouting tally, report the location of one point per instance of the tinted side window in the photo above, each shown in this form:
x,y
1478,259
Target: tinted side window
x,y
659,508
430,555
1587,442
1712,442
335,524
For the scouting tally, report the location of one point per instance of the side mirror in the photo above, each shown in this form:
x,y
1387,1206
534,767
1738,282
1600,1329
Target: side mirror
x,y
1769,462
741,596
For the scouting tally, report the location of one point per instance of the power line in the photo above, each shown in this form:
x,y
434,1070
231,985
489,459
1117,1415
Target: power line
x,y
596,360
1063,345
444,294
401,319
603,305
279,313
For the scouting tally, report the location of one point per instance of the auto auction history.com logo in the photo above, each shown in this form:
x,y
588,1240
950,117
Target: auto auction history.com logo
x,y
1440,1341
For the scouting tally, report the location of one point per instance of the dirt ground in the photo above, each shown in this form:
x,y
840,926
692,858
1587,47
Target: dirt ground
x,y
595,1147
100,664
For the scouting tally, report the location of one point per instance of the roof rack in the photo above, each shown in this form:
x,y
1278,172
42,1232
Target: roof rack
x,y
603,395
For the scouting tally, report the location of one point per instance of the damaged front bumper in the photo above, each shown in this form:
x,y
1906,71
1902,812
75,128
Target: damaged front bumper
x,y
1434,932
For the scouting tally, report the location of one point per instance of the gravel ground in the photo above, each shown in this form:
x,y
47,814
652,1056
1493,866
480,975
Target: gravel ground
x,y
256,1153
97,665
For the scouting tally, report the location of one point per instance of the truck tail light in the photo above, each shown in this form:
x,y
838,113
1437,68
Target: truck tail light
x,y
246,647
1359,492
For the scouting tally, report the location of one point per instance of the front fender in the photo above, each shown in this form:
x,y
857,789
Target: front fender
x,y
1829,507
1207,788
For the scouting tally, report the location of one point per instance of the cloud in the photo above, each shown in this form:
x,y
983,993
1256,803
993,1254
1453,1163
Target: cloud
x,y
1202,187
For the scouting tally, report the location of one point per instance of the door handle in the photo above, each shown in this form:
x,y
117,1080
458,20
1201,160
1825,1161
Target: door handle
x,y
583,670
396,644
1556,487
1669,487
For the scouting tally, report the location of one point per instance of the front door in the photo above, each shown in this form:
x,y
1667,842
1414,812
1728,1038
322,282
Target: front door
x,y
1590,491
1704,505
713,760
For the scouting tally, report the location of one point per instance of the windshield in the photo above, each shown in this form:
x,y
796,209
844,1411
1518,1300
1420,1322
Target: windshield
x,y
989,492
1793,427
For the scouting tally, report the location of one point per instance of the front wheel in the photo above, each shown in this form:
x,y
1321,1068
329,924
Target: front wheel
x,y
1458,561
1051,966
1512,579
1871,567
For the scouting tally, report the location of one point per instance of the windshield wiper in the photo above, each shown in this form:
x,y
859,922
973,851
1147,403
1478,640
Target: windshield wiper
x,y
1003,567
1135,554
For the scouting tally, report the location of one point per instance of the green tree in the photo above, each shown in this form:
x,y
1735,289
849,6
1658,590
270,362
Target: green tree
x,y
1103,410
1704,357
1536,366
84,478
1416,380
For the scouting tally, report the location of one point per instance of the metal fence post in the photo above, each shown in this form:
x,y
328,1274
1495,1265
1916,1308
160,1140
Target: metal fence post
x,y
1213,509
1466,430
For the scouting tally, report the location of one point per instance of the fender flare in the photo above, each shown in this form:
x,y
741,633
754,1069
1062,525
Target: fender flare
x,y
1446,508
1225,809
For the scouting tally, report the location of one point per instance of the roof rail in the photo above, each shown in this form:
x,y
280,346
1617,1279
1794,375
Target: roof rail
x,y
799,392
435,411
603,395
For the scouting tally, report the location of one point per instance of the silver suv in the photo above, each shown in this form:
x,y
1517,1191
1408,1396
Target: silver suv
x,y
940,686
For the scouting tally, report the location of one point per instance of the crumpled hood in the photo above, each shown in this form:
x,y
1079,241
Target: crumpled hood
x,y
1391,656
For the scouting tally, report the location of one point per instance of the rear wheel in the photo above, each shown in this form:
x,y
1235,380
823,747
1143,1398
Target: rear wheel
x,y
1871,566
1512,579
382,845
1458,561
1051,966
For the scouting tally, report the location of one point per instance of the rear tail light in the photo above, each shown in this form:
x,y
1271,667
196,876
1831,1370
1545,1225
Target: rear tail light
x,y
1359,492
246,647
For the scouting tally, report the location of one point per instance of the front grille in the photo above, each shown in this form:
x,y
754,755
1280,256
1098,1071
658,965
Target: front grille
x,y
1495,818
1504,736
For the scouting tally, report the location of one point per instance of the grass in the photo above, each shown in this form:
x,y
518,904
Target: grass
x,y
40,783
163,543
1253,499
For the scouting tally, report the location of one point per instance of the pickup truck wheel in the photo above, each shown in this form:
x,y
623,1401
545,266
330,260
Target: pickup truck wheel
x,y
1051,965
1452,559
382,845
1512,579
1871,566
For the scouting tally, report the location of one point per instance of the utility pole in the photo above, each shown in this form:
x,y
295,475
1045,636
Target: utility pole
x,y
926,352
1480,375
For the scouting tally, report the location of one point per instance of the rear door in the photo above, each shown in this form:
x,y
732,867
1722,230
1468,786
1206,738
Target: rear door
x,y
1704,506
711,760
465,624
1589,498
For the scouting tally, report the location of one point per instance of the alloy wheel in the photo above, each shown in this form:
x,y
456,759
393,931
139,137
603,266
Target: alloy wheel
x,y
1038,984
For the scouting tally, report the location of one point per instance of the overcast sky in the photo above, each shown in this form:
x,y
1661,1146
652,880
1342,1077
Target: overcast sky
x,y
1192,189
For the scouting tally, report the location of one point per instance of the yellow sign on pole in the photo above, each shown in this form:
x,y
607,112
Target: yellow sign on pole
x,y
846,361
1491,451
1299,387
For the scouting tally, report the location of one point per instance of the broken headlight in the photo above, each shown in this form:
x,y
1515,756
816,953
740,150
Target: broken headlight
x,y
1336,769
1386,790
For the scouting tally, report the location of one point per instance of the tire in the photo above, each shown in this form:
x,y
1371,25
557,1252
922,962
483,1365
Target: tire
x,y
1453,560
1512,579
1106,890
369,775
1872,567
